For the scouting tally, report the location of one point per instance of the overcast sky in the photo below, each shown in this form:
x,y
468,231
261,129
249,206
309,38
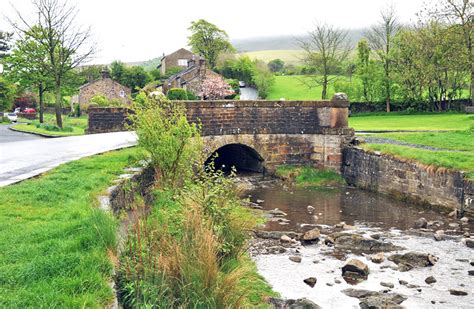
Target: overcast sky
x,y
135,30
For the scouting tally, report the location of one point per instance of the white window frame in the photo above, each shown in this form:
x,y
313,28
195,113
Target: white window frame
x,y
122,93
183,62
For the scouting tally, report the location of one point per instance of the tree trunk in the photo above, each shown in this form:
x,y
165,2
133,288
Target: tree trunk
x,y
325,89
472,86
41,102
58,106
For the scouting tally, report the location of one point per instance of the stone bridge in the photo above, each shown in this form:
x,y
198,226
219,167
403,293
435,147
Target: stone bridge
x,y
260,135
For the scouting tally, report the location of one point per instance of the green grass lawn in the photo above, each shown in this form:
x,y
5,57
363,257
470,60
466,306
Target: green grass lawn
x,y
289,56
455,140
53,241
71,126
428,121
292,88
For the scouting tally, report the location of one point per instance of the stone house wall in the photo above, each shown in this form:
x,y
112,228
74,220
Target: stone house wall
x,y
106,87
171,60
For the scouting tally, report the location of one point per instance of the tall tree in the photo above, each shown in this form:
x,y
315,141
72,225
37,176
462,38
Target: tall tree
x,y
66,45
208,40
381,37
325,51
27,67
459,13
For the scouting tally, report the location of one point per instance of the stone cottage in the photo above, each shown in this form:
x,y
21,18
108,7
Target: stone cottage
x,y
105,86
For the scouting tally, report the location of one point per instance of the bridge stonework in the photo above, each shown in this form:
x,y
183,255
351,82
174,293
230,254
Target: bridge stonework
x,y
281,132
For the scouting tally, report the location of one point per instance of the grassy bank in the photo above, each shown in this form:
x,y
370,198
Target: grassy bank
x,y
463,161
53,242
306,176
396,121
190,252
71,126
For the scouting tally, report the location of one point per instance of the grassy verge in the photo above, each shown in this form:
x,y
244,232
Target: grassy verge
x,y
53,242
190,253
463,161
456,140
305,176
71,126
428,122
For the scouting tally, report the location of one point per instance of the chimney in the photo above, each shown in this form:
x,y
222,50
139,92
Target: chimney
x,y
202,67
105,73
192,62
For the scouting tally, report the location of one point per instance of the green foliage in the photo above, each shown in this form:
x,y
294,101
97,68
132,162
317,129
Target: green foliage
x,y
276,65
7,94
134,77
306,176
177,94
169,141
54,241
189,253
252,72
208,40
172,71
102,101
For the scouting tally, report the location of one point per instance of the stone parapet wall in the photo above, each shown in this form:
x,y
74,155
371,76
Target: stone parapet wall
x,y
405,178
107,119
244,117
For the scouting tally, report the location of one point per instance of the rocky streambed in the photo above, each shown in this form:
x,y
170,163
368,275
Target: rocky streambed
x,y
345,248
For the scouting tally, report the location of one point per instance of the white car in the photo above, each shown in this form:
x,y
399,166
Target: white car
x,y
11,116
241,84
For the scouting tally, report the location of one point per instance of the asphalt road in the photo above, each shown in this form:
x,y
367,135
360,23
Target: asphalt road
x,y
248,93
7,135
24,159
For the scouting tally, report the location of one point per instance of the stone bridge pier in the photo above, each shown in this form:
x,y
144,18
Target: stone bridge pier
x,y
259,135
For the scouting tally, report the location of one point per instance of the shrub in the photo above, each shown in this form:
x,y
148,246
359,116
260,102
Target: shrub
x,y
170,142
100,100
191,96
177,94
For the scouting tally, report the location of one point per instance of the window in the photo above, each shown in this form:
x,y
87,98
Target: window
x,y
183,62
122,93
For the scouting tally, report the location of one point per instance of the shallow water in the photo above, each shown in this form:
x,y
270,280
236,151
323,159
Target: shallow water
x,y
369,213
333,206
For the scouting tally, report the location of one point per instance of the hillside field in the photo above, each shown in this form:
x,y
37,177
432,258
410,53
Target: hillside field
x,y
289,56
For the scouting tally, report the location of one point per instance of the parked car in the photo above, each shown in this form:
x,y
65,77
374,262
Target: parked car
x,y
241,84
29,111
12,117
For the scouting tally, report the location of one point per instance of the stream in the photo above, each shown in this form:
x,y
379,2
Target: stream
x,y
355,224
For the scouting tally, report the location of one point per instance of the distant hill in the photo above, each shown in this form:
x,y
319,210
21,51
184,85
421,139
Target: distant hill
x,y
284,42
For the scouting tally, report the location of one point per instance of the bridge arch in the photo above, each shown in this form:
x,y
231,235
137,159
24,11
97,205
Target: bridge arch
x,y
240,156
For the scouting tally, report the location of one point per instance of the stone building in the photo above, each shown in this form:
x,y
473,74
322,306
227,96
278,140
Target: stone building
x,y
191,78
105,86
177,59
